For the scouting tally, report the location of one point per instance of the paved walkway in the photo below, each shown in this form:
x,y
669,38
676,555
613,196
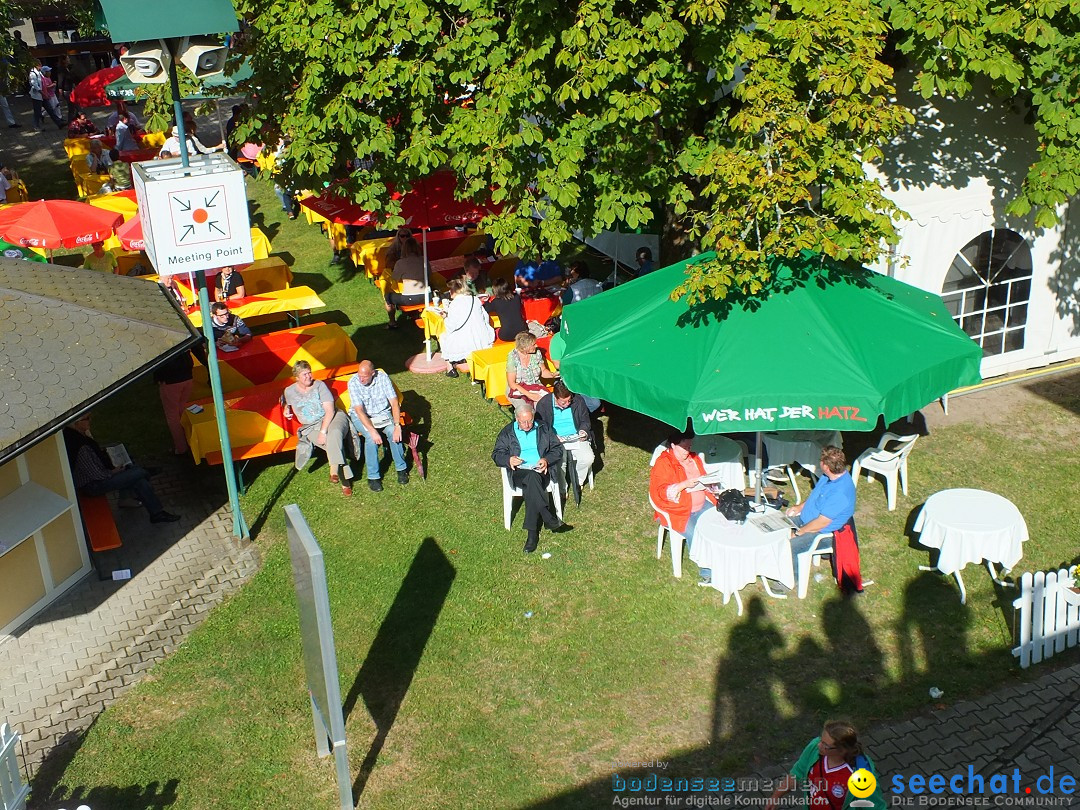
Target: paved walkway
x,y
71,661
1033,727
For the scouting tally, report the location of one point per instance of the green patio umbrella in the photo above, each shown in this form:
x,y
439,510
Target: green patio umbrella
x,y
833,349
10,251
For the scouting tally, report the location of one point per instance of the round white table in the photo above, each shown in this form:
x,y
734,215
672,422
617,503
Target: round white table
x,y
802,446
971,526
721,456
739,553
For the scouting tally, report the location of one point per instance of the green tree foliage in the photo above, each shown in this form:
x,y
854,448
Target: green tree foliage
x,y
1028,49
740,127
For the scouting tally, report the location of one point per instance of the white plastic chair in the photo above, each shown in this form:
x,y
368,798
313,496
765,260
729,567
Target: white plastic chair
x,y
889,464
510,492
676,542
665,525
822,547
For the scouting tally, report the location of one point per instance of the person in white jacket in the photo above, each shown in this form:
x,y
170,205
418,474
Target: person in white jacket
x,y
466,327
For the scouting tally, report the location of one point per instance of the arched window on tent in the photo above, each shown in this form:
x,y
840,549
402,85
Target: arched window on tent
x,y
987,289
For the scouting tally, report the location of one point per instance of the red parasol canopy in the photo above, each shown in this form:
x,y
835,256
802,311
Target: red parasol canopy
x,y
429,204
52,224
90,92
130,234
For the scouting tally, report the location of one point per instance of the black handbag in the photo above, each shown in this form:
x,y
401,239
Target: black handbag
x,y
731,503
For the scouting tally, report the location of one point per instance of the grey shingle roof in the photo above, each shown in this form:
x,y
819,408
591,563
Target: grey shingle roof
x,y
69,338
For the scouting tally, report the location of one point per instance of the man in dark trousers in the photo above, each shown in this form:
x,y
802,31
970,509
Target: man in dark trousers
x,y
528,450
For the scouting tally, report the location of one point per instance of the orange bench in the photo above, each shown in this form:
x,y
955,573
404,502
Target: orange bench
x,y
98,521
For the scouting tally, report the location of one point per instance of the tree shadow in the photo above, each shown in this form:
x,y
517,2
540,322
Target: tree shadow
x,y
48,790
388,349
1061,389
955,141
787,274
317,281
385,676
1064,281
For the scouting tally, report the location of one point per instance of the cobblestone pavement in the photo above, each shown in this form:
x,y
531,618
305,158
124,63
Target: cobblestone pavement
x,y
85,650
1033,727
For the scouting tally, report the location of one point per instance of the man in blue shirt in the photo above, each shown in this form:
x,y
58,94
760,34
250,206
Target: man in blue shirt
x,y
533,275
529,451
829,507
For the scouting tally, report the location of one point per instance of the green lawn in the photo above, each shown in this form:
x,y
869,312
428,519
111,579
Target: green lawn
x,y
457,698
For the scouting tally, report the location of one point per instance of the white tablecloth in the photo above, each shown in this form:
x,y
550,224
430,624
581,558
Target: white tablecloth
x,y
969,526
723,456
739,553
803,446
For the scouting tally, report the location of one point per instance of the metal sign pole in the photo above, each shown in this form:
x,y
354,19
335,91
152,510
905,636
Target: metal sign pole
x,y
240,528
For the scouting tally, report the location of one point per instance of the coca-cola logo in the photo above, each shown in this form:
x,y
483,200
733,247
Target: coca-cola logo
x,y
86,239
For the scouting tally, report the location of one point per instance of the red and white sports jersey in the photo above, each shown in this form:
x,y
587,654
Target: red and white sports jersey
x,y
828,787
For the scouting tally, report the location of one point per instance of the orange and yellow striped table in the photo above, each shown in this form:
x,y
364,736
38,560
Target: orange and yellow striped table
x,y
267,358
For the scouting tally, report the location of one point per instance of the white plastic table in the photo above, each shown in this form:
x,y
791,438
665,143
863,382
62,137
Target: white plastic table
x,y
971,526
722,456
739,553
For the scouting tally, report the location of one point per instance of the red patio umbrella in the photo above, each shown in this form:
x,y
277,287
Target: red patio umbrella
x,y
52,224
431,204
130,234
90,92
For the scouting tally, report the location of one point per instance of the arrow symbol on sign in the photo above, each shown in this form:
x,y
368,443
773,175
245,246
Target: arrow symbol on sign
x,y
215,227
210,203
184,206
188,231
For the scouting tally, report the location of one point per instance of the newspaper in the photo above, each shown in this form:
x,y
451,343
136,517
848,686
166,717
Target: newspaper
x,y
772,521
118,455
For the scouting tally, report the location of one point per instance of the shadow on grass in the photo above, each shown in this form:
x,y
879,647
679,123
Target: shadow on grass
x,y
387,672
47,789
763,696
388,349
271,502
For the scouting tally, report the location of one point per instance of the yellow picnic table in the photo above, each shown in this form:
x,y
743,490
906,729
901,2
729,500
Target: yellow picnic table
x,y
294,299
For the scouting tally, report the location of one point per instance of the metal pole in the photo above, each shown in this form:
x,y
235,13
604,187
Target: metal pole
x,y
178,111
240,528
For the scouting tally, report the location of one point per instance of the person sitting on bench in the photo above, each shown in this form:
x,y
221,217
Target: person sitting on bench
x,y
94,474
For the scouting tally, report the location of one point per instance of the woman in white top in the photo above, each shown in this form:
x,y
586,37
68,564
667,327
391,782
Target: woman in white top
x,y
466,327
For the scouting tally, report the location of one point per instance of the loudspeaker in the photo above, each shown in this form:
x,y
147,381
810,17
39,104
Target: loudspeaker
x,y
147,62
203,56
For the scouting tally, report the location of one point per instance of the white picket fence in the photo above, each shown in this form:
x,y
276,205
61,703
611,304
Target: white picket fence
x,y
13,791
1049,614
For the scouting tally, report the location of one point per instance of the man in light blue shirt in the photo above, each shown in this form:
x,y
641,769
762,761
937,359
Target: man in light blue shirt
x,y
829,507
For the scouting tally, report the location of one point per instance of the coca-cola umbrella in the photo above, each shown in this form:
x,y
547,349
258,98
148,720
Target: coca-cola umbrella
x,y
130,234
53,224
90,92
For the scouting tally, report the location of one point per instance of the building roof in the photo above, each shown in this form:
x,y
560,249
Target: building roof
x,y
71,337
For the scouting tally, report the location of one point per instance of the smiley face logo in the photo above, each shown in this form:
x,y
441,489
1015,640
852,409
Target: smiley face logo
x,y
861,783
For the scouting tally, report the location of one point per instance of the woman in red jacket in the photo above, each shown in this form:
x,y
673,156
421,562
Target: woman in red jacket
x,y
674,486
